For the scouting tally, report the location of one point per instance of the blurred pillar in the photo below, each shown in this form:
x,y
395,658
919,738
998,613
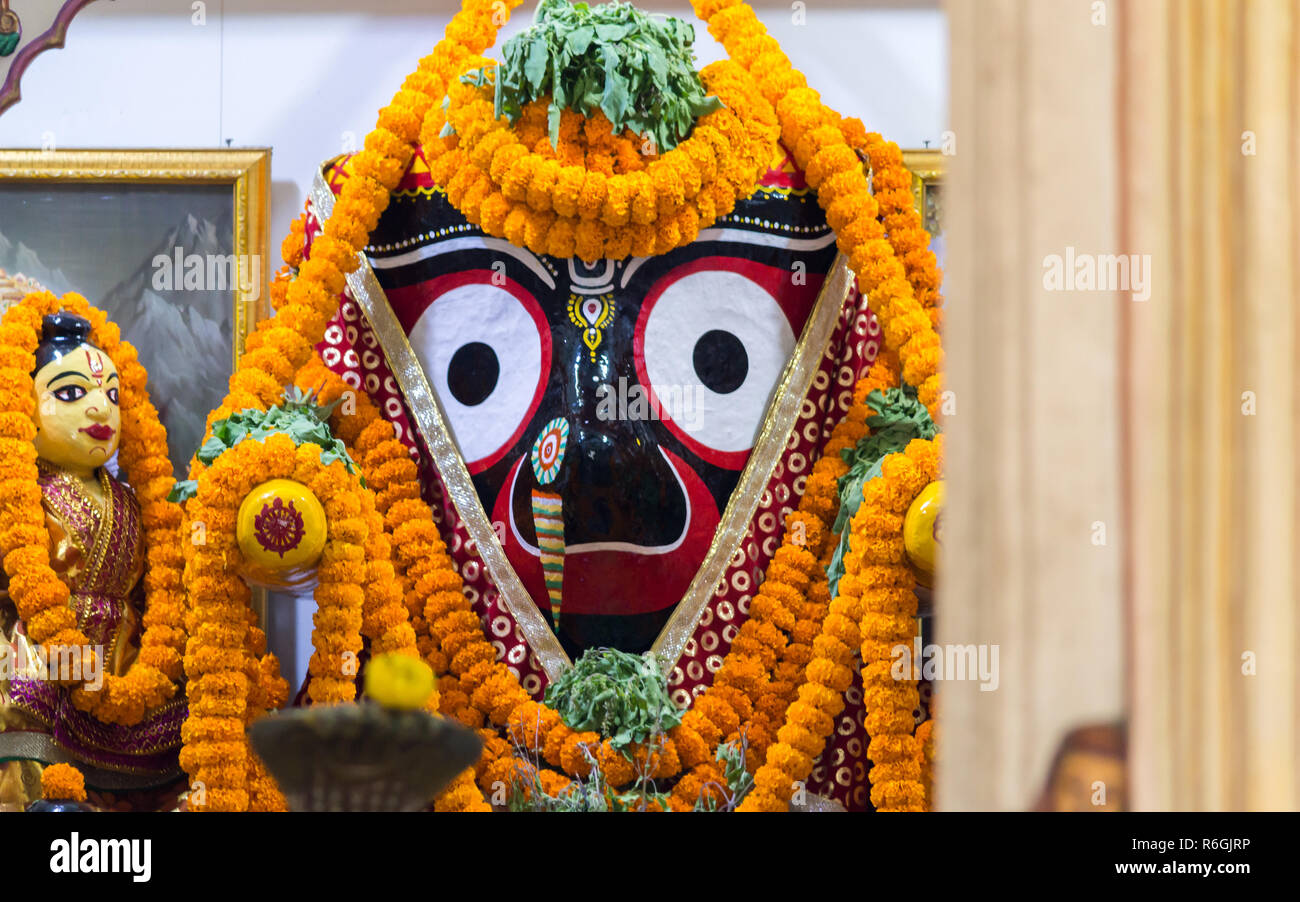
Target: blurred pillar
x,y
1033,538
1165,410
1209,116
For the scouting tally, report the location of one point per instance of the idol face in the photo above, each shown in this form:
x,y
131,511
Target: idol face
x,y
78,420
661,370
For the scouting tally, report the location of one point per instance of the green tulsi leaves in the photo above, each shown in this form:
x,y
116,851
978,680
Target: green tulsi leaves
x,y
298,417
731,755
900,418
619,695
637,69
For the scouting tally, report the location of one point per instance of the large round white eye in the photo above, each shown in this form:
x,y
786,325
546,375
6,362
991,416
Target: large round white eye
x,y
486,351
712,344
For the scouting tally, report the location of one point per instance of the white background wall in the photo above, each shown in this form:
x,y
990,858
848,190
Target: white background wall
x,y
306,79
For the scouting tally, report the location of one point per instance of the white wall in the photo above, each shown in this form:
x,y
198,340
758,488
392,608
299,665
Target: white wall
x,y
306,79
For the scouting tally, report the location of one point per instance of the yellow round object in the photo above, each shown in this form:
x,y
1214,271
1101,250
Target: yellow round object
x,y
921,531
281,527
399,681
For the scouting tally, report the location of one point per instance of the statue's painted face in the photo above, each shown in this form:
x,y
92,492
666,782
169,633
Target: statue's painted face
x,y
78,421
641,384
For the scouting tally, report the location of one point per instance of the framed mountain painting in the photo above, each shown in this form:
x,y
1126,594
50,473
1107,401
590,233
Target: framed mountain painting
x,y
171,244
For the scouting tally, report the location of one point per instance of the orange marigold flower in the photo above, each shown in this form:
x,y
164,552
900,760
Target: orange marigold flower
x,y
60,782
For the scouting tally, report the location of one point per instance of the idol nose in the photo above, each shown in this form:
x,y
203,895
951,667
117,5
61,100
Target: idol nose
x,y
622,489
615,485
97,409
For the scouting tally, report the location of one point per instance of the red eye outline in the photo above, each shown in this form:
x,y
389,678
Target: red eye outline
x,y
795,302
411,302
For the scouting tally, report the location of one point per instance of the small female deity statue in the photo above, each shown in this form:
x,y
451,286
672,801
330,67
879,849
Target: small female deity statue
x,y
96,547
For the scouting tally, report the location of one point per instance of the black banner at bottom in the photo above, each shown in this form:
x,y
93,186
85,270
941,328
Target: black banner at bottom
x,y
851,853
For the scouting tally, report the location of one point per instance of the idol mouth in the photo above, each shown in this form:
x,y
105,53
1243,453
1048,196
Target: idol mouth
x,y
99,432
619,578
626,547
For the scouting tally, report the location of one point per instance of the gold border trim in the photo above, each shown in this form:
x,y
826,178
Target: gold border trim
x,y
768,447
429,419
41,747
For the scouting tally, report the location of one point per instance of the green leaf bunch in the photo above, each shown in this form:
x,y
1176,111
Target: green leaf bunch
x,y
619,695
580,795
298,416
731,755
638,69
899,419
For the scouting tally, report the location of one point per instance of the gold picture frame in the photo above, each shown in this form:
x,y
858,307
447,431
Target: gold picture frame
x,y
103,223
246,171
928,168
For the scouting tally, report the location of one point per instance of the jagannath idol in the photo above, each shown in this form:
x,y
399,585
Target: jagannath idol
x,y
588,417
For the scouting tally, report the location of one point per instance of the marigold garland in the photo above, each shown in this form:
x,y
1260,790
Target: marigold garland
x,y
798,724
358,592
703,784
62,782
749,667
925,740
40,596
876,607
792,600
560,206
512,185
229,686
891,183
814,134
878,573
383,459
403,559
588,143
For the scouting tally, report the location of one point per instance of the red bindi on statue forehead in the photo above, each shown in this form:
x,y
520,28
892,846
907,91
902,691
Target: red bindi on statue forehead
x,y
96,363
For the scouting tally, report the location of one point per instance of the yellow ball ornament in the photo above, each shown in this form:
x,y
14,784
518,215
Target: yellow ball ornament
x,y
921,531
399,681
281,530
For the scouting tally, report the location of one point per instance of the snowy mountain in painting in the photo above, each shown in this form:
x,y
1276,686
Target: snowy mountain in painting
x,y
183,337
18,259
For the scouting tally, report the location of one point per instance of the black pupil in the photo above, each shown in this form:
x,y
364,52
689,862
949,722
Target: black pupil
x,y
473,373
720,361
